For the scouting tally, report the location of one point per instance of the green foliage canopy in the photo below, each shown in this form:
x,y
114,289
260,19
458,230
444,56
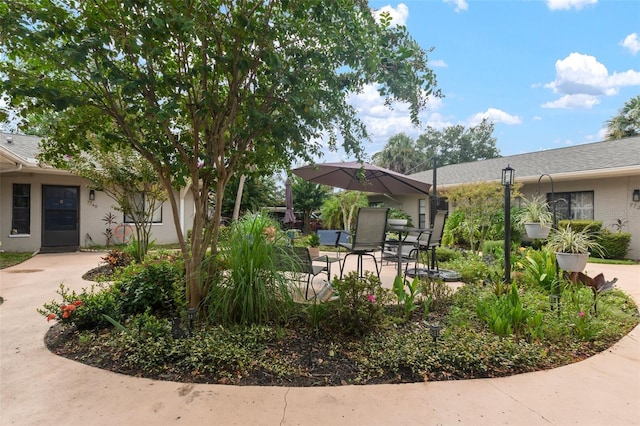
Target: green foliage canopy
x,y
205,89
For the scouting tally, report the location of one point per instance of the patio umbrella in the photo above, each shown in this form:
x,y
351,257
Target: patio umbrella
x,y
347,175
289,217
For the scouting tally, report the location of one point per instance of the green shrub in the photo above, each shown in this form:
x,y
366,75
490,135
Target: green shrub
x,y
493,248
540,268
470,266
86,309
506,315
615,244
255,291
446,254
359,308
154,284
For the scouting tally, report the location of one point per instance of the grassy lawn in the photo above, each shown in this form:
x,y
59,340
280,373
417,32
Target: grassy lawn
x,y
13,258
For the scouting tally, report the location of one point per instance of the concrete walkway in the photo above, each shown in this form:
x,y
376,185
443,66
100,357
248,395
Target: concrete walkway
x,y
39,388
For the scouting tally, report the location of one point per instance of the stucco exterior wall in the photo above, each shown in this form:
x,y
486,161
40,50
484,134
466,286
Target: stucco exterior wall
x,y
91,213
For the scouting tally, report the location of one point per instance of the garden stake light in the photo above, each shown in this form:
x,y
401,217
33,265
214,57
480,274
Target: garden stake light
x,y
434,330
191,316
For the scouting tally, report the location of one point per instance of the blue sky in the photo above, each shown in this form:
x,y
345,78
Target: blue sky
x,y
547,73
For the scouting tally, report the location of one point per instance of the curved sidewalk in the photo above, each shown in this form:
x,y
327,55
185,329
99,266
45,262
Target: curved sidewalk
x,y
39,388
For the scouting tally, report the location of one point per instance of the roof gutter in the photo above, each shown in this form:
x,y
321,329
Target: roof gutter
x,y
18,167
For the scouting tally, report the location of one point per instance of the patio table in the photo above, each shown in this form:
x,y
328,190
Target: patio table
x,y
403,232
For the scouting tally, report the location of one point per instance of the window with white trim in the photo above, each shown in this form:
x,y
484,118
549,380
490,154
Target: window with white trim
x,y
139,204
21,209
573,205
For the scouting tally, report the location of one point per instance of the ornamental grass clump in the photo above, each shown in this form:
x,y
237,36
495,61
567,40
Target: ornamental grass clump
x,y
254,290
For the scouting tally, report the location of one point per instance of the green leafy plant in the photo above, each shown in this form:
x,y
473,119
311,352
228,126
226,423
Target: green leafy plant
x,y
156,284
505,315
86,309
535,210
406,298
255,291
540,267
568,240
359,308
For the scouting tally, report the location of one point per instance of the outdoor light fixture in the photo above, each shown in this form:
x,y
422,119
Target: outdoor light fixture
x,y
434,330
636,195
92,194
507,180
191,316
507,176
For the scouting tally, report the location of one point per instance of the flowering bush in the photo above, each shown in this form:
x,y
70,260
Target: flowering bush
x,y
360,307
84,310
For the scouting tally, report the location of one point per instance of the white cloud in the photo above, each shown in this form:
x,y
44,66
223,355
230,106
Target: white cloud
x,y
383,122
537,118
438,63
632,43
399,15
573,102
496,116
459,4
568,4
581,79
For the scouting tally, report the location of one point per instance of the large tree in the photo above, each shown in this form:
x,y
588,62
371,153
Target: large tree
x,y
627,122
400,154
458,144
307,197
205,89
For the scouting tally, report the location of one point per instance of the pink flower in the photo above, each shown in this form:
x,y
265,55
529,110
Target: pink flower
x,y
581,314
371,298
200,163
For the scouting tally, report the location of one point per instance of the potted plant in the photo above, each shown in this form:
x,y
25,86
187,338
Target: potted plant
x,y
398,217
314,245
572,247
535,217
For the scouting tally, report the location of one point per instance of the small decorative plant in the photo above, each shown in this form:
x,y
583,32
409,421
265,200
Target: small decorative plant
x,y
399,215
535,210
572,247
567,240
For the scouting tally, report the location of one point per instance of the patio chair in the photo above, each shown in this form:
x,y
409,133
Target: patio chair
x,y
371,227
432,243
301,262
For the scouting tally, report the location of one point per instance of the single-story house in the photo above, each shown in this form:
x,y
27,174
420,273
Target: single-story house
x,y
47,209
599,181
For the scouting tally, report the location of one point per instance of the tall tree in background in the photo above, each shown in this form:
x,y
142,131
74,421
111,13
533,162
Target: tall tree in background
x,y
453,145
627,122
259,191
400,154
307,197
457,144
205,89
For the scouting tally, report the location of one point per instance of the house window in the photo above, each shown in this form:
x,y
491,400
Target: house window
x,y
422,213
573,205
139,205
21,219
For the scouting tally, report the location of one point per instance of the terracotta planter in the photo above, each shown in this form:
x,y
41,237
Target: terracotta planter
x,y
537,230
572,262
314,252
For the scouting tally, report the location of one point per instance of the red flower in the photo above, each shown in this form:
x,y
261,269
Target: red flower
x,y
77,302
71,308
63,307
50,317
66,314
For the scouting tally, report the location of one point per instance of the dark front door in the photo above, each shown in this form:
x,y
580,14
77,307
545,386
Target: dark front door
x,y
60,216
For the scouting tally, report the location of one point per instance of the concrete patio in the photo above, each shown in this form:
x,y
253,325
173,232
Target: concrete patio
x,y
40,388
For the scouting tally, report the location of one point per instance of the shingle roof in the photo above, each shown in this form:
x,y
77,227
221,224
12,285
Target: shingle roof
x,y
578,159
23,146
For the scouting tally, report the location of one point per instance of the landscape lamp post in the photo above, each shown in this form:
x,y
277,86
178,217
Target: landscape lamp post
x,y
507,181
